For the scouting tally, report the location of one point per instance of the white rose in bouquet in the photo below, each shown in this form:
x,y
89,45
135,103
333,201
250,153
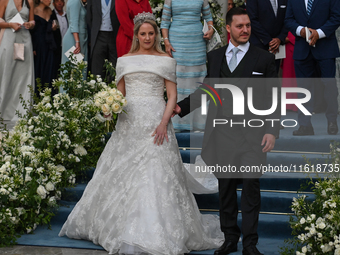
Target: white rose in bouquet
x,y
97,103
124,102
116,108
109,100
106,109
103,94
113,91
118,97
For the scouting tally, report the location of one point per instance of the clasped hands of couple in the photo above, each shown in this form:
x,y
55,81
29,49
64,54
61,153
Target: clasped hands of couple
x,y
268,140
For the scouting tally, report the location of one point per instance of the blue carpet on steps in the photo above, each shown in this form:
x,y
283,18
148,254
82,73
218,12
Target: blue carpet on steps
x,y
270,201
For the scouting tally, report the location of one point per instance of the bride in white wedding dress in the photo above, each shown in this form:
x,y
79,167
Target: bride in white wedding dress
x,y
138,200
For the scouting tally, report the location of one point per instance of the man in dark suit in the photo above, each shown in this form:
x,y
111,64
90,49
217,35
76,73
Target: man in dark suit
x,y
59,15
238,145
322,18
103,22
267,24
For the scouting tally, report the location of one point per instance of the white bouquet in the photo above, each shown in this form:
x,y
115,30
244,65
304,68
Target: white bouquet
x,y
110,102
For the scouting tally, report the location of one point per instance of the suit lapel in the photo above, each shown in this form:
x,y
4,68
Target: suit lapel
x,y
302,7
98,6
113,2
216,66
270,7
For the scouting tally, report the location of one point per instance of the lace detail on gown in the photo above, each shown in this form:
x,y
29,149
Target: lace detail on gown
x,y
138,199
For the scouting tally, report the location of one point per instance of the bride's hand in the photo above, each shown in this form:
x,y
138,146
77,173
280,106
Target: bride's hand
x,y
160,133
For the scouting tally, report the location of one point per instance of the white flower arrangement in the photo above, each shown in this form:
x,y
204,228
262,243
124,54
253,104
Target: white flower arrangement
x,y
316,224
45,151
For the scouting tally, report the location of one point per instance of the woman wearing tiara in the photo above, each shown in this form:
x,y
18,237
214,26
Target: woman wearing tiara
x,y
138,200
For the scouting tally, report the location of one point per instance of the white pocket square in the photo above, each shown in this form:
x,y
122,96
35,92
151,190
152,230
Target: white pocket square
x,y
282,6
256,73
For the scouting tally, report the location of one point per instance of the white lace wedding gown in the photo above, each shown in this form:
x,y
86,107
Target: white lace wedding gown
x,y
138,200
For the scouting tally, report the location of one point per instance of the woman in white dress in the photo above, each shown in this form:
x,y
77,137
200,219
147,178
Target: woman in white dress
x,y
138,200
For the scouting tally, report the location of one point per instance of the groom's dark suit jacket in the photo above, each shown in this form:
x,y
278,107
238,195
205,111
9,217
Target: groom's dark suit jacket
x,y
257,63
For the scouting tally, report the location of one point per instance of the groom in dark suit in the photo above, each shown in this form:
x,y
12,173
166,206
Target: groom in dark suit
x,y
238,145
103,22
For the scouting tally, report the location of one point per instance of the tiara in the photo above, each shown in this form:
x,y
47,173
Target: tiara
x,y
143,16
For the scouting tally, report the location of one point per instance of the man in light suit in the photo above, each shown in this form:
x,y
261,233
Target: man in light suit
x,y
267,22
238,145
322,18
103,22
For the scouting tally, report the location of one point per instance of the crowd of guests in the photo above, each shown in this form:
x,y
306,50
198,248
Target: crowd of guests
x,y
103,29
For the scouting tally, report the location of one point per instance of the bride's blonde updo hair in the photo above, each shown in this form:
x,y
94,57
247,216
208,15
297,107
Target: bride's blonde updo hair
x,y
139,20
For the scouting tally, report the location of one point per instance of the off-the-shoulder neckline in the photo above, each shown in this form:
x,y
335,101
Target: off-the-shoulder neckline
x,y
146,55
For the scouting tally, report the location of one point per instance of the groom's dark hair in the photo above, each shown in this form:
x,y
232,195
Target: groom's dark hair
x,y
232,12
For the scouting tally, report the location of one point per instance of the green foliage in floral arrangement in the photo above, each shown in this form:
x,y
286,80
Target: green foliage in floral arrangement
x,y
217,15
58,139
215,7
316,223
238,3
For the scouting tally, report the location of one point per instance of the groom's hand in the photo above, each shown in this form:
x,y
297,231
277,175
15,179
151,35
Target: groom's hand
x,y
177,110
268,142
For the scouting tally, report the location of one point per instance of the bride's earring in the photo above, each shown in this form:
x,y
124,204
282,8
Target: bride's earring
x,y
137,39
